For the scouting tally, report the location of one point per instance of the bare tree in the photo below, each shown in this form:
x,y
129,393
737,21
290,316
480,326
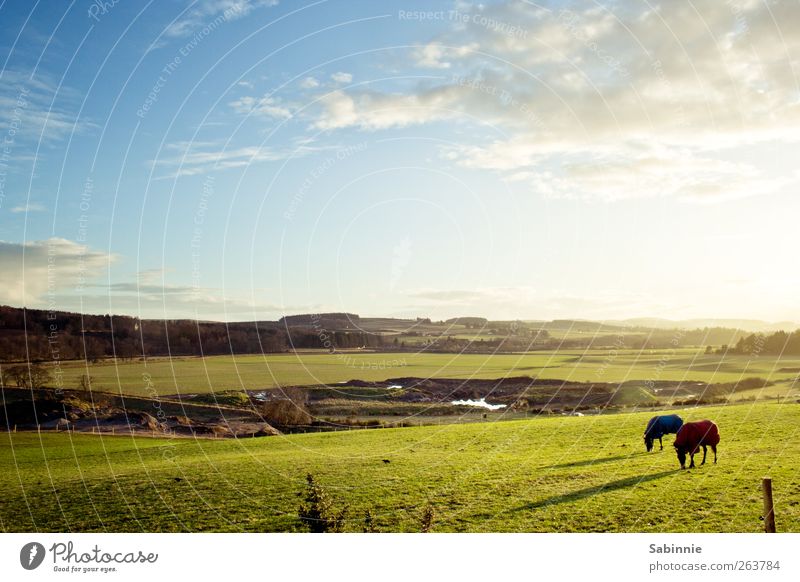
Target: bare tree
x,y
38,375
85,383
27,375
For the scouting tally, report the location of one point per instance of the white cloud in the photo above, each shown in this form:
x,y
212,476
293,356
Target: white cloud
x,y
341,77
32,207
371,111
158,299
37,108
339,111
60,274
309,83
609,93
433,55
151,276
620,172
650,174
430,56
34,272
192,158
204,12
265,107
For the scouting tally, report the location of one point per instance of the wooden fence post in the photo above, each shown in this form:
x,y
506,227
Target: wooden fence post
x,y
769,507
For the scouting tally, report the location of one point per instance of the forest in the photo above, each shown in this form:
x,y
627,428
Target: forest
x,y
37,335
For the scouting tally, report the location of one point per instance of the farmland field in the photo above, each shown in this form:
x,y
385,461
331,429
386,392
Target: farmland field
x,y
218,373
544,474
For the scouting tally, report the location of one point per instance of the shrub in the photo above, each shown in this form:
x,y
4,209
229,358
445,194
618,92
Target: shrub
x,y
285,413
235,398
427,518
369,523
290,410
317,513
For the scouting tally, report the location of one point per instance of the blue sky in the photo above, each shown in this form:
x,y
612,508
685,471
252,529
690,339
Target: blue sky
x,y
231,159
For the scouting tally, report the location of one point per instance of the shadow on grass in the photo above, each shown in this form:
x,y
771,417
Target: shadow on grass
x,y
596,461
590,491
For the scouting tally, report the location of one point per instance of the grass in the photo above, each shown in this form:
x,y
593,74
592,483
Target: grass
x,y
540,475
218,373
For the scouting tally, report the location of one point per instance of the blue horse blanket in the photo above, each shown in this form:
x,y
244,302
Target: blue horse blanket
x,y
661,425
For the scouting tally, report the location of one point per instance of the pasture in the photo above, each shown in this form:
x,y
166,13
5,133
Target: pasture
x,y
169,376
555,474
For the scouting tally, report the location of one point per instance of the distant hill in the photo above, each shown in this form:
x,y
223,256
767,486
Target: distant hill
x,y
751,325
343,321
478,322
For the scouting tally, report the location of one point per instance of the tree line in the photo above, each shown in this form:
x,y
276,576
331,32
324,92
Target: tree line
x,y
37,335
774,344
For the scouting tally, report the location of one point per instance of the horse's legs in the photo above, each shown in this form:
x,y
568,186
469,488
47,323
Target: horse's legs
x,y
661,443
691,457
714,448
704,455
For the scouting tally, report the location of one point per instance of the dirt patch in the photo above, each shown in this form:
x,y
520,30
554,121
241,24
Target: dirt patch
x,y
81,412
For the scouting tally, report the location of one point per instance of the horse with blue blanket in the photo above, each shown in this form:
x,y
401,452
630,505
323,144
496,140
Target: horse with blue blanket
x,y
658,427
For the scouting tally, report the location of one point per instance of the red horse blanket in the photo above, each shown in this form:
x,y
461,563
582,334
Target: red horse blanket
x,y
693,435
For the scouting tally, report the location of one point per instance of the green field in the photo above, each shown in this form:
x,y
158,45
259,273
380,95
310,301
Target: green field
x,y
218,373
548,474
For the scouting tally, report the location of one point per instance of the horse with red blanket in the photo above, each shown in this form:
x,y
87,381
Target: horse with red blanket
x,y
694,435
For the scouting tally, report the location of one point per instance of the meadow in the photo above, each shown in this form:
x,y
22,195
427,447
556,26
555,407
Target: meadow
x,y
169,376
555,474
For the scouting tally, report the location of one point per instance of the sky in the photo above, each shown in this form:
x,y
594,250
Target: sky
x,y
246,159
